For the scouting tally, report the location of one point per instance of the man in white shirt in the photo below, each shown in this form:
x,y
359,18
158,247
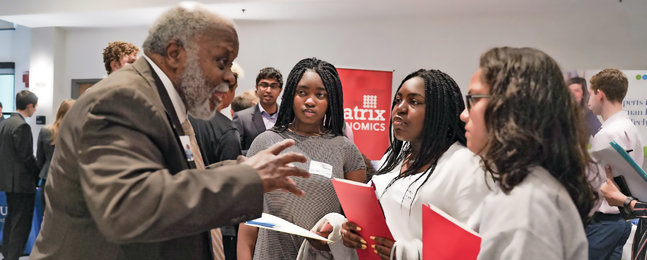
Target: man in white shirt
x,y
608,231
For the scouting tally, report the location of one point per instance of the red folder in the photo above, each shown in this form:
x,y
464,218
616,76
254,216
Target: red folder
x,y
362,207
444,237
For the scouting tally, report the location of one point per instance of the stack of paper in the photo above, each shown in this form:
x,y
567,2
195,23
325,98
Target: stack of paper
x,y
275,223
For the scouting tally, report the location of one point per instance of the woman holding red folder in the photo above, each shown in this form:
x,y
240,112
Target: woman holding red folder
x,y
525,125
427,163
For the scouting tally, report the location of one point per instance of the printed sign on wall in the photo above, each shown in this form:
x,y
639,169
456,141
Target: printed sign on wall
x,y
367,108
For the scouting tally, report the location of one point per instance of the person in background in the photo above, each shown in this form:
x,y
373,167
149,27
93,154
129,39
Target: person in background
x,y
312,115
525,124
634,208
253,121
577,85
18,175
252,93
228,97
46,143
217,137
608,231
219,141
241,102
419,168
118,54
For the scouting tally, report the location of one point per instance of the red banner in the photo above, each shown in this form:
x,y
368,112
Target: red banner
x,y
367,108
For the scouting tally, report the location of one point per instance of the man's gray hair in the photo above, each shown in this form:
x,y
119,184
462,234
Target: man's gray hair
x,y
183,23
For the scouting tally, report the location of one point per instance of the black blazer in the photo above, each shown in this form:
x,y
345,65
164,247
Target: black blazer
x,y
217,138
18,167
249,123
44,151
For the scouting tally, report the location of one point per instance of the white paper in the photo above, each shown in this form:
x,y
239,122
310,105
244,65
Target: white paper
x,y
619,166
320,168
282,225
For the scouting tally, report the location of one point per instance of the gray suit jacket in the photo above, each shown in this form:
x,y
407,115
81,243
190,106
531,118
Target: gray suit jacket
x,y
249,123
18,167
120,186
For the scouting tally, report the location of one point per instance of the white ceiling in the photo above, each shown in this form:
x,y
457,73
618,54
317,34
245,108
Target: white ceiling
x,y
125,13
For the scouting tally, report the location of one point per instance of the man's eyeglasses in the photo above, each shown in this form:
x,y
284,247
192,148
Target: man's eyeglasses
x,y
472,99
274,86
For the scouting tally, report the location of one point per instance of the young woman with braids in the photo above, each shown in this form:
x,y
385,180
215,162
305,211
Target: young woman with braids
x,y
311,113
526,126
426,163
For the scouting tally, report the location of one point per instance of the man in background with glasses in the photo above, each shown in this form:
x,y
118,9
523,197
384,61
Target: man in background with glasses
x,y
255,120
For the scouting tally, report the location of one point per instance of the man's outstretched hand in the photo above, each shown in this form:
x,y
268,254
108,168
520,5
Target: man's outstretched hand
x,y
275,169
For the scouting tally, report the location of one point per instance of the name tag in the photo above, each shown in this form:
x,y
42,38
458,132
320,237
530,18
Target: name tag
x,y
404,191
320,168
186,146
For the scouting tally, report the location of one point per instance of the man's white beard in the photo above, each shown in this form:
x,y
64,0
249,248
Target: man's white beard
x,y
196,89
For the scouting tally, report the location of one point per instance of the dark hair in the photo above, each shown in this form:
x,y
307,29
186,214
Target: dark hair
x,y
115,51
334,119
242,102
442,126
532,120
612,82
269,73
0,104
24,98
584,103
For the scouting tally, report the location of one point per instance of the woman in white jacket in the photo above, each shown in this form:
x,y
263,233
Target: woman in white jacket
x,y
427,163
525,124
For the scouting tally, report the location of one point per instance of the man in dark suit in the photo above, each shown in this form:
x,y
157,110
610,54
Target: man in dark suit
x,y
255,120
217,137
219,141
18,175
120,185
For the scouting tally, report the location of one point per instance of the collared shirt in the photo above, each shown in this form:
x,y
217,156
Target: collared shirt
x,y
179,106
269,120
617,128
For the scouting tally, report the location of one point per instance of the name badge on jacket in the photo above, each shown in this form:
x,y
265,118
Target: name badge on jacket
x,y
320,168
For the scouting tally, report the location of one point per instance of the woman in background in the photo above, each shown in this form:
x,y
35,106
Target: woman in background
x,y
45,145
524,123
578,87
311,113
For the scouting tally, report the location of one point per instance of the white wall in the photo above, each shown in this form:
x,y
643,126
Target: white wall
x,y
451,44
15,47
84,52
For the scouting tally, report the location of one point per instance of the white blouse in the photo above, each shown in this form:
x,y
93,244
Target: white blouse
x,y
457,186
536,221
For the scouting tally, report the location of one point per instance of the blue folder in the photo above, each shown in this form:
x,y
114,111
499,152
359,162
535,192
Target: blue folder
x,y
631,162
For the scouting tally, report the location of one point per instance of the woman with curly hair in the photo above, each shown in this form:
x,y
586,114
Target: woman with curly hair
x,y
523,122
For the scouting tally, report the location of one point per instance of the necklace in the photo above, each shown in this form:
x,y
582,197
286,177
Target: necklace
x,y
292,128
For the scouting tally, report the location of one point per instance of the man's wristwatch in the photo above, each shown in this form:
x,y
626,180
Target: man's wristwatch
x,y
627,205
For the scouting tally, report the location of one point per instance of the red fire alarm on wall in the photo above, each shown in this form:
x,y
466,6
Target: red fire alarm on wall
x,y
25,78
